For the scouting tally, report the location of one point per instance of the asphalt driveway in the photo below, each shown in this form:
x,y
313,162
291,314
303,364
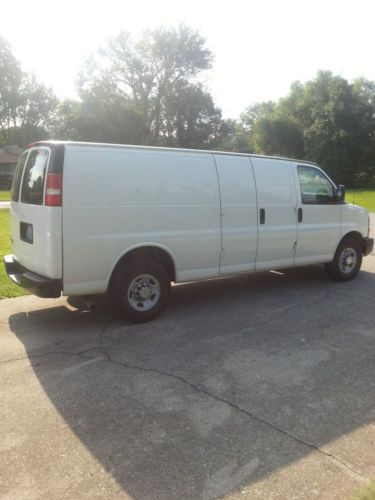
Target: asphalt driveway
x,y
261,386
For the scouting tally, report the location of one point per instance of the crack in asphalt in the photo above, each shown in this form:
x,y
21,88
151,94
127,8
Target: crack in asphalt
x,y
341,463
64,353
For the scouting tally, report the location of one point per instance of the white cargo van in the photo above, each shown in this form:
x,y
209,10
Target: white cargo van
x,y
96,218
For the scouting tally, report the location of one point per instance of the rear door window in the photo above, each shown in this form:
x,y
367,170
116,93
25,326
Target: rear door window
x,y
18,176
33,178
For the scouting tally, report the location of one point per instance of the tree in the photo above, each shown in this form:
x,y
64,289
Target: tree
x,y
10,82
333,126
278,134
327,120
156,81
95,121
263,129
191,119
233,137
26,106
255,112
250,117
364,91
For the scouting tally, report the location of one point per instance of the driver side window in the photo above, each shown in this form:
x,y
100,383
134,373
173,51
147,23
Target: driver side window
x,y
316,189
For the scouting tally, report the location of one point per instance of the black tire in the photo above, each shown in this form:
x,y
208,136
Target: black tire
x,y
156,284
338,269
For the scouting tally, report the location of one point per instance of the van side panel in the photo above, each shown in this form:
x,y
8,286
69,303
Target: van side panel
x,y
277,236
239,214
118,199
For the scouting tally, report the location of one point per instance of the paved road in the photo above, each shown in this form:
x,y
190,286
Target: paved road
x,y
4,204
254,387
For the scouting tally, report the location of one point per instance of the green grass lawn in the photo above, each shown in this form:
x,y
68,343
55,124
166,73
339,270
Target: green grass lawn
x,y
4,195
7,288
363,197
366,493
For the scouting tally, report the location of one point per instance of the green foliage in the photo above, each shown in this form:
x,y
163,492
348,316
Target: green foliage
x,y
95,121
326,120
10,83
331,113
278,134
253,113
145,92
233,137
26,106
191,119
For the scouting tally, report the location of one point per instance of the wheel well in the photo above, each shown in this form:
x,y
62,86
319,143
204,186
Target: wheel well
x,y
354,235
145,253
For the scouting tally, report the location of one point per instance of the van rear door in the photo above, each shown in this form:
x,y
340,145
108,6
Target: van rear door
x,y
36,229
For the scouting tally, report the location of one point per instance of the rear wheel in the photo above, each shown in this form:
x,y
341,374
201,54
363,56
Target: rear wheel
x,y
347,261
144,289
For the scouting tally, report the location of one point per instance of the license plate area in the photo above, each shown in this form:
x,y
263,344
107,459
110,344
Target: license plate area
x,y
26,232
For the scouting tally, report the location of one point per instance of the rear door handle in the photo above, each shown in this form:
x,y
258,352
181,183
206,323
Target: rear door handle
x,y
262,216
300,215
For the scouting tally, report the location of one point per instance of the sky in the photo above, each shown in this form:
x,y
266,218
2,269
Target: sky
x,y
260,47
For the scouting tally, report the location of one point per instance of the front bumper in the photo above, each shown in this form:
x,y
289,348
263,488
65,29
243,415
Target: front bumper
x,y
367,245
34,283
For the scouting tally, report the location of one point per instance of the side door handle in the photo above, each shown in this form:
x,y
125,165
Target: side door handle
x,y
300,215
262,216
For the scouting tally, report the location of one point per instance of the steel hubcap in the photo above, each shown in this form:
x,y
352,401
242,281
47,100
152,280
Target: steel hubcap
x,y
348,260
143,292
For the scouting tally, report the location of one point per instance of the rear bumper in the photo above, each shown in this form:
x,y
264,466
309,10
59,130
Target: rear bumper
x,y
367,245
34,283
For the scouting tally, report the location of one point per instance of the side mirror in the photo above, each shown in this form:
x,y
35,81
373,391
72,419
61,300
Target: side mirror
x,y
340,193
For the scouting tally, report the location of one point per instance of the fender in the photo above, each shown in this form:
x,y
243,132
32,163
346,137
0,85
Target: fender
x,y
145,244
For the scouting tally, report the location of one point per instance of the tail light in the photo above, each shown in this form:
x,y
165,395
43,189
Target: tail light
x,y
53,197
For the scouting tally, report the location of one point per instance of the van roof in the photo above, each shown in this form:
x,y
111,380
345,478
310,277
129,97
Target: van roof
x,y
158,148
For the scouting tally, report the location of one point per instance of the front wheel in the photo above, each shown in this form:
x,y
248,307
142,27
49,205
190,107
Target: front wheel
x,y
144,291
347,261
